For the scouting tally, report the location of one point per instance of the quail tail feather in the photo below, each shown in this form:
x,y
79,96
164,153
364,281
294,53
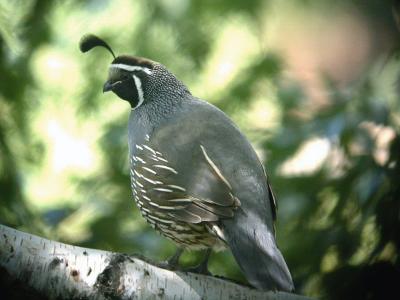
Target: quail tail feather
x,y
255,250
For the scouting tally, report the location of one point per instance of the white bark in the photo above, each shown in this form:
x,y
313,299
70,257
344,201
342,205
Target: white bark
x,y
62,271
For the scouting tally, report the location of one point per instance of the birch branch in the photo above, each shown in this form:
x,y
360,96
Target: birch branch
x,y
57,270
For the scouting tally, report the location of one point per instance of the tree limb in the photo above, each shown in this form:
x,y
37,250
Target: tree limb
x,y
57,270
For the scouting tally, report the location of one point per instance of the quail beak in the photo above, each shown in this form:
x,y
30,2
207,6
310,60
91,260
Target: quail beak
x,y
109,86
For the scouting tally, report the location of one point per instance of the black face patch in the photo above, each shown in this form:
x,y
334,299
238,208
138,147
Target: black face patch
x,y
126,89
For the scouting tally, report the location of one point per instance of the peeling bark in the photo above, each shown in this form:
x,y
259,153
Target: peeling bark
x,y
52,270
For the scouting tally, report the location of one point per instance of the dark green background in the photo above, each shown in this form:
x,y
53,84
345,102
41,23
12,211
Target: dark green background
x,y
338,224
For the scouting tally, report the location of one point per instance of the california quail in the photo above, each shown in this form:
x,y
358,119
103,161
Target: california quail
x,y
195,177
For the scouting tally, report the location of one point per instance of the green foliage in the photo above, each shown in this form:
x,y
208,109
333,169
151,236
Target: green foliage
x,y
337,222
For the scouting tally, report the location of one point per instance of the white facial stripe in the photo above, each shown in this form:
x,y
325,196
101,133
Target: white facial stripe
x,y
138,84
131,68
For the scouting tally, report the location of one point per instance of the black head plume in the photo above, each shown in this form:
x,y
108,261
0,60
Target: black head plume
x,y
89,41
